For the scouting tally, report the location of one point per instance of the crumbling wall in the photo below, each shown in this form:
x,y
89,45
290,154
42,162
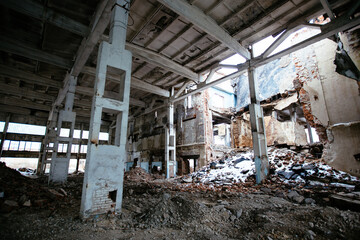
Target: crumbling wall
x,y
288,132
331,102
272,78
194,129
146,141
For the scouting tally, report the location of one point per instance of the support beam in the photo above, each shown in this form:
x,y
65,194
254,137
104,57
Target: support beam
x,y
135,83
79,148
3,137
104,175
16,102
90,92
11,72
24,92
339,24
206,23
182,89
258,130
15,110
327,8
170,144
161,61
311,139
36,10
15,47
280,40
59,163
88,44
100,22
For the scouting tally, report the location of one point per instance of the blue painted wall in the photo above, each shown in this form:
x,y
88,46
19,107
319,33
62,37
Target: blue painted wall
x,y
229,98
272,78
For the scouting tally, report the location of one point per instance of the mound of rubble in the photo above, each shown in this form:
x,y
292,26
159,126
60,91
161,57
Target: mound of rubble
x,y
18,191
287,166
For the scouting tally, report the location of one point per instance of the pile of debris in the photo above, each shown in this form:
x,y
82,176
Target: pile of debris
x,y
295,168
289,166
17,191
137,174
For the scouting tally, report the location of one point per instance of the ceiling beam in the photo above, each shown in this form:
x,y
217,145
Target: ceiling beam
x,y
88,43
88,91
12,46
11,72
23,103
99,23
327,9
24,92
295,26
161,61
135,83
337,25
38,11
206,23
14,109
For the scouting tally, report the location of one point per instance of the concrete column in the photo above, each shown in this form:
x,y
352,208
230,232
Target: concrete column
x,y
104,170
3,137
49,138
79,150
311,139
59,165
170,144
258,130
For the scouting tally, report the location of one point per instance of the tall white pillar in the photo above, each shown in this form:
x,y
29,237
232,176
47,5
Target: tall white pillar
x,y
104,170
258,130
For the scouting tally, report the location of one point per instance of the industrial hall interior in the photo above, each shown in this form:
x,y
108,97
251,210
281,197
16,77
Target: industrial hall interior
x,y
179,119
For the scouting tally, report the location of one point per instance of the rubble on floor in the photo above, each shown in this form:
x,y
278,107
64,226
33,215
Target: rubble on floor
x,y
157,208
139,174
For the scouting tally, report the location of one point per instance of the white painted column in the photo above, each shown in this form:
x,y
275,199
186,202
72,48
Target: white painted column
x,y
104,170
170,144
258,130
59,167
3,138
79,150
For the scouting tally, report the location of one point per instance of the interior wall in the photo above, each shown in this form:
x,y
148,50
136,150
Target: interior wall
x,y
194,128
288,132
331,103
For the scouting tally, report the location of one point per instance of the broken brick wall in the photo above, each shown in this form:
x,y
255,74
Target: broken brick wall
x,y
288,132
194,128
146,140
331,102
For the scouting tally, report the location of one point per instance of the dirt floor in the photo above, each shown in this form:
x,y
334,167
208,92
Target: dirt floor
x,y
154,208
